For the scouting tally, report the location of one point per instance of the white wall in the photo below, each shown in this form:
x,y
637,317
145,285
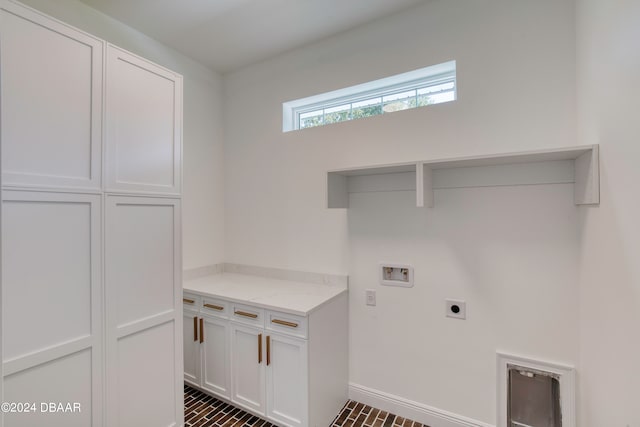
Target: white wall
x,y
516,91
203,211
511,252
609,100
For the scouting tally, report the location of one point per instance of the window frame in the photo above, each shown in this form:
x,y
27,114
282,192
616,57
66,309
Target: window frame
x,y
413,80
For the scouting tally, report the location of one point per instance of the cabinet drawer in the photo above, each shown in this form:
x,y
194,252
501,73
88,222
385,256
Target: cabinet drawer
x,y
289,324
215,307
247,314
190,302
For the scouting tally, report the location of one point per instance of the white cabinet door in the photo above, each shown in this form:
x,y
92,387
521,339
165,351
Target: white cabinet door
x,y
216,356
144,320
247,367
51,304
191,346
143,123
287,380
51,104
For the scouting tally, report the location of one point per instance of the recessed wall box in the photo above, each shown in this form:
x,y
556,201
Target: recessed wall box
x,y
396,275
456,309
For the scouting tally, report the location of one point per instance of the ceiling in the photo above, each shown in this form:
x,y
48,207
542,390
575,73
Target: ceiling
x,y
227,35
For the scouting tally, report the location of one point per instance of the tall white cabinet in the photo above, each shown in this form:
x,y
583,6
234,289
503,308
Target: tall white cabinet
x,y
51,304
143,126
144,322
52,102
91,228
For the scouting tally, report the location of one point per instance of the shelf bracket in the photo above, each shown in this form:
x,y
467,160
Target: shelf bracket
x,y
424,186
587,178
337,192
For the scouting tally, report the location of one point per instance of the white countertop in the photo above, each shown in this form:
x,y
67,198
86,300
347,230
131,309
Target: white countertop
x,y
288,296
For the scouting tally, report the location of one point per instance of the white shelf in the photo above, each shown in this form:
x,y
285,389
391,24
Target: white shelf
x,y
577,165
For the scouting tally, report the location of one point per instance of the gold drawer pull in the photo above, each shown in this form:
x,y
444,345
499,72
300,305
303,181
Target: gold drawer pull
x,y
188,301
215,307
268,350
195,328
259,348
201,329
284,323
245,314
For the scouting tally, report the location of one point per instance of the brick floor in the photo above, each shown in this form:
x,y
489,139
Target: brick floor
x,y
355,414
202,410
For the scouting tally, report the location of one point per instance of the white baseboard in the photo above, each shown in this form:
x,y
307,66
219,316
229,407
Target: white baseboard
x,y
406,408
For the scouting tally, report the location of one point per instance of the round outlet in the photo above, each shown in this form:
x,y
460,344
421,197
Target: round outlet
x,y
456,309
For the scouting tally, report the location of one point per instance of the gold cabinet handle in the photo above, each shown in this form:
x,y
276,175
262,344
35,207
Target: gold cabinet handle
x,y
201,329
195,328
245,314
268,350
259,348
284,323
214,307
188,301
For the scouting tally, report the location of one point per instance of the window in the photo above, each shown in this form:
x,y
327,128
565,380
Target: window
x,y
427,86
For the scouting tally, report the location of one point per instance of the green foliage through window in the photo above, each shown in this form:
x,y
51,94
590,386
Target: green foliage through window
x,y
404,100
427,86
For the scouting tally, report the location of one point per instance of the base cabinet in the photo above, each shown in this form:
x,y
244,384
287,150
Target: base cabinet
x,y
287,380
191,347
215,373
269,374
261,360
248,367
206,347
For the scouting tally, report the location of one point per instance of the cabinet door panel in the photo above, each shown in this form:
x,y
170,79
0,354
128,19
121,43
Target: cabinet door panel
x,y
247,371
143,125
215,357
51,105
68,379
191,346
141,252
146,392
287,380
51,299
40,278
144,317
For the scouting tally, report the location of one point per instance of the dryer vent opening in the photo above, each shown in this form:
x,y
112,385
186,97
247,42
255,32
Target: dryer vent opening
x,y
533,398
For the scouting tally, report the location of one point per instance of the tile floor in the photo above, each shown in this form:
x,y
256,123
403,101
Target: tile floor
x,y
202,410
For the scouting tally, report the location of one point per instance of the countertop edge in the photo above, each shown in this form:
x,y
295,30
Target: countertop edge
x,y
266,306
331,279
